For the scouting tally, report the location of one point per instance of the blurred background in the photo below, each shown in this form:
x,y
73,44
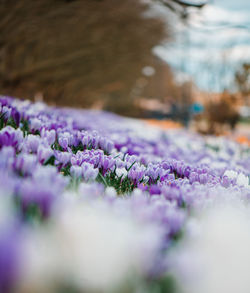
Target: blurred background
x,y
187,62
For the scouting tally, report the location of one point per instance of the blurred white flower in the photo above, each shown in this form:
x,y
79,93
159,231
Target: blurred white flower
x,y
217,259
231,174
121,172
88,246
110,191
242,180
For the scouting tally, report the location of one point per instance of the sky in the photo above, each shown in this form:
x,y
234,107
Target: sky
x,y
211,45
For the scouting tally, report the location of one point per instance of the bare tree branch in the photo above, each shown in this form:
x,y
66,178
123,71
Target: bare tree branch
x,y
176,5
189,3
180,6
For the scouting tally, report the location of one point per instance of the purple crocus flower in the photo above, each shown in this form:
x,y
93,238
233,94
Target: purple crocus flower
x,y
142,187
10,137
32,192
225,181
44,153
35,124
106,144
136,173
171,193
49,136
7,154
6,101
154,189
64,140
88,171
86,140
16,116
193,177
203,178
25,163
77,159
6,111
107,163
95,141
32,142
76,171
63,158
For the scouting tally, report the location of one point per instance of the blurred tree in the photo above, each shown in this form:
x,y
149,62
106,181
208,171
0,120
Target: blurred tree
x,y
242,79
76,53
221,113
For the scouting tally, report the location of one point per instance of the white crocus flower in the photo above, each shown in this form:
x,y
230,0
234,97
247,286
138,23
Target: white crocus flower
x,y
121,172
231,174
242,180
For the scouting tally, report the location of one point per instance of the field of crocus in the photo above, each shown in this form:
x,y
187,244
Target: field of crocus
x,y
94,202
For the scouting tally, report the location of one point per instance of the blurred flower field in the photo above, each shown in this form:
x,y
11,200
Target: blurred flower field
x,y
94,202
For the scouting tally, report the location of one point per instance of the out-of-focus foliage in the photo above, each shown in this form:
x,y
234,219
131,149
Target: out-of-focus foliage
x,y
242,79
76,53
221,114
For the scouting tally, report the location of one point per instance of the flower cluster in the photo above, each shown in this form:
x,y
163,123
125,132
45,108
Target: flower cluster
x,y
90,201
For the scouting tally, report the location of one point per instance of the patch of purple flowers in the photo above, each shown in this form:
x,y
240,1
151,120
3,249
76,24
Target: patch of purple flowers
x,y
50,155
